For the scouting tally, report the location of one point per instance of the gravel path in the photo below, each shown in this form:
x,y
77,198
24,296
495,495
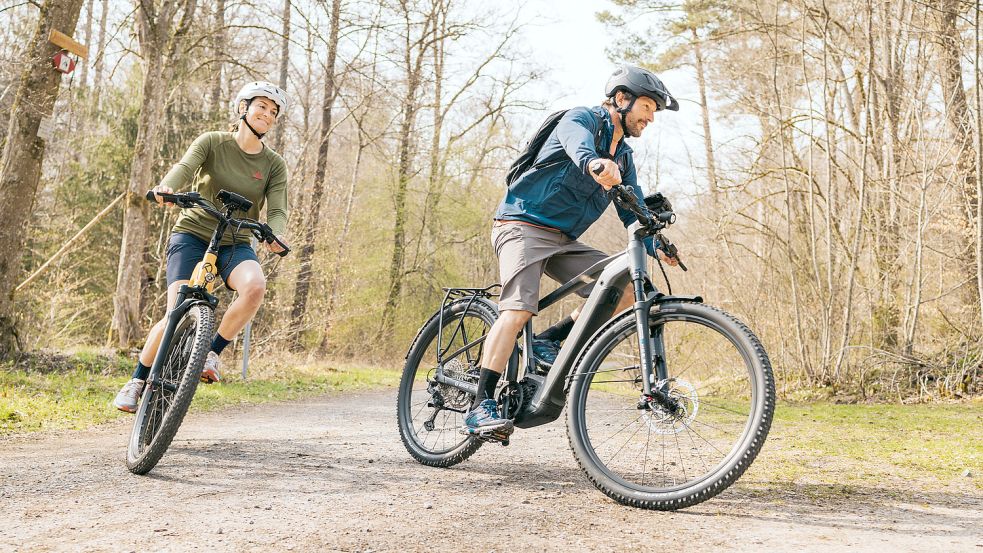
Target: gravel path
x,y
331,474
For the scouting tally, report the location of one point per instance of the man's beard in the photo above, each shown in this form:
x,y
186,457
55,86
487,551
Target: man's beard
x,y
635,128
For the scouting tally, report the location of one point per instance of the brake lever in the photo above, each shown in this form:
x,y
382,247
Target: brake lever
x,y
671,251
266,235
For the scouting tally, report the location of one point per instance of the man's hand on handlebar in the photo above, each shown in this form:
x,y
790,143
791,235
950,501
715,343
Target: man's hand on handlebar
x,y
671,261
605,172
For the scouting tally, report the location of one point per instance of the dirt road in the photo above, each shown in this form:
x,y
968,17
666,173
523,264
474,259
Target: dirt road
x,y
331,475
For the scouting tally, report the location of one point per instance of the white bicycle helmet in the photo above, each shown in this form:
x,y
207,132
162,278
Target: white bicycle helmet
x,y
261,88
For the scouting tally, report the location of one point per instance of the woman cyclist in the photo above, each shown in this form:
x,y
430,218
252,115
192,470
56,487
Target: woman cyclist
x,y
239,162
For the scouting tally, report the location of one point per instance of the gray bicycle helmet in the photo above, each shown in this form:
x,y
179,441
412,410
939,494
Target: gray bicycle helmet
x,y
638,82
641,82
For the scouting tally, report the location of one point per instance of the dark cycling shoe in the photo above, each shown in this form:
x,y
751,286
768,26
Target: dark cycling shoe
x,y
484,421
545,351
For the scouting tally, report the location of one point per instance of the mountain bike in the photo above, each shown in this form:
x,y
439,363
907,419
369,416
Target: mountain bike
x,y
668,402
187,335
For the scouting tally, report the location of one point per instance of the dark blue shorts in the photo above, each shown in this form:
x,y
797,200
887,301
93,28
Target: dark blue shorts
x,y
184,251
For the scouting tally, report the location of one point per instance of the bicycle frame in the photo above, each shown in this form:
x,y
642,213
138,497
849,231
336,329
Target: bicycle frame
x,y
610,277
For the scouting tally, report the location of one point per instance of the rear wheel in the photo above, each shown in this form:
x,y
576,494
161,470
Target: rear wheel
x,y
431,414
166,399
673,454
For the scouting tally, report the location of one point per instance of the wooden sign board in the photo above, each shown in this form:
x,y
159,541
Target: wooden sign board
x,y
62,40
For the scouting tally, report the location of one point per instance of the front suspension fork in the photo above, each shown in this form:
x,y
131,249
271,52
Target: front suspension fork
x,y
651,351
183,302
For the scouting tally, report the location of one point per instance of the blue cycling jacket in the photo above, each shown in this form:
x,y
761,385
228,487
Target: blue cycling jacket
x,y
562,195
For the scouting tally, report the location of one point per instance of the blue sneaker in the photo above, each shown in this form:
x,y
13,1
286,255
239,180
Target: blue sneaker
x,y
484,421
545,351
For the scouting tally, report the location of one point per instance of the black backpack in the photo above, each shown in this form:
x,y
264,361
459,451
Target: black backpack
x,y
528,156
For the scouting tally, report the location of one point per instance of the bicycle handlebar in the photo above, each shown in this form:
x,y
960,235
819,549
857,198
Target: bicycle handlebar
x,y
653,223
261,231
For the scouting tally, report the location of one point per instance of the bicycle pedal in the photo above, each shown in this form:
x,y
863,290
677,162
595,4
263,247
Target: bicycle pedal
x,y
499,436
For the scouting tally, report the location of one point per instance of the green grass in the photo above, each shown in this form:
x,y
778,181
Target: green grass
x,y
79,394
850,446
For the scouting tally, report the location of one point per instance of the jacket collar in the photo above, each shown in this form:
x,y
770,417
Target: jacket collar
x,y
608,131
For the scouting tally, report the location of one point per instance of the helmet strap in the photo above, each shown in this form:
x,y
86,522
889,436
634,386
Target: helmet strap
x,y
243,118
623,112
258,135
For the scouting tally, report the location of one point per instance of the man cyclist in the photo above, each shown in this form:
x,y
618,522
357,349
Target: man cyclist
x,y
548,207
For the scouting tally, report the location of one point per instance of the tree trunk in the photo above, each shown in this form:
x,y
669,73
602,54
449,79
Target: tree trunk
x,y
978,91
159,44
304,276
705,112
410,107
887,308
20,167
435,178
86,40
284,65
960,124
218,52
100,54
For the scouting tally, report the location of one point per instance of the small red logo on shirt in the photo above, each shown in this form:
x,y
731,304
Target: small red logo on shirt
x,y
257,176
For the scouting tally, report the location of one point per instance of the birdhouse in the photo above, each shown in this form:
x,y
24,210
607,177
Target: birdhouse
x,y
63,62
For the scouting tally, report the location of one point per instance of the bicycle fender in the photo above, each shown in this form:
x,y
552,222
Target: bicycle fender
x,y
667,299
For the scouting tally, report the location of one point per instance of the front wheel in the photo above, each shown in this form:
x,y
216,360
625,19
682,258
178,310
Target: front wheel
x,y
167,397
670,456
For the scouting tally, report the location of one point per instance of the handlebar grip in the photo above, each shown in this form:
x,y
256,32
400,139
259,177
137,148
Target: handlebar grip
x,y
273,239
670,250
265,234
165,197
596,167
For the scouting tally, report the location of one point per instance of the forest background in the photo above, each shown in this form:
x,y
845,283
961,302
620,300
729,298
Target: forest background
x,y
827,176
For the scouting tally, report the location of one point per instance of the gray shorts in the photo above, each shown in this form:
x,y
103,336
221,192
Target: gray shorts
x,y
526,252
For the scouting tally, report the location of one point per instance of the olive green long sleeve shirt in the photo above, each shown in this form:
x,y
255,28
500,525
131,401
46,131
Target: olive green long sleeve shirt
x,y
215,162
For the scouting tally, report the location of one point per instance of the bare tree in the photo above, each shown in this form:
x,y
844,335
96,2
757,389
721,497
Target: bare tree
x,y
306,251
101,46
284,65
161,27
418,36
960,122
87,40
218,52
20,167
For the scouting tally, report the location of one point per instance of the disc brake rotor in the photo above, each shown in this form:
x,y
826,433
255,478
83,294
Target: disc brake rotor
x,y
660,420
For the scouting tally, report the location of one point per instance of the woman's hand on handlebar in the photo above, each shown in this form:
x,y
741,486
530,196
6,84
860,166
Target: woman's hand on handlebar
x,y
164,189
274,247
605,172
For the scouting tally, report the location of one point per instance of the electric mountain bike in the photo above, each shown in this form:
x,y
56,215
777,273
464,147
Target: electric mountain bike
x,y
668,402
187,335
